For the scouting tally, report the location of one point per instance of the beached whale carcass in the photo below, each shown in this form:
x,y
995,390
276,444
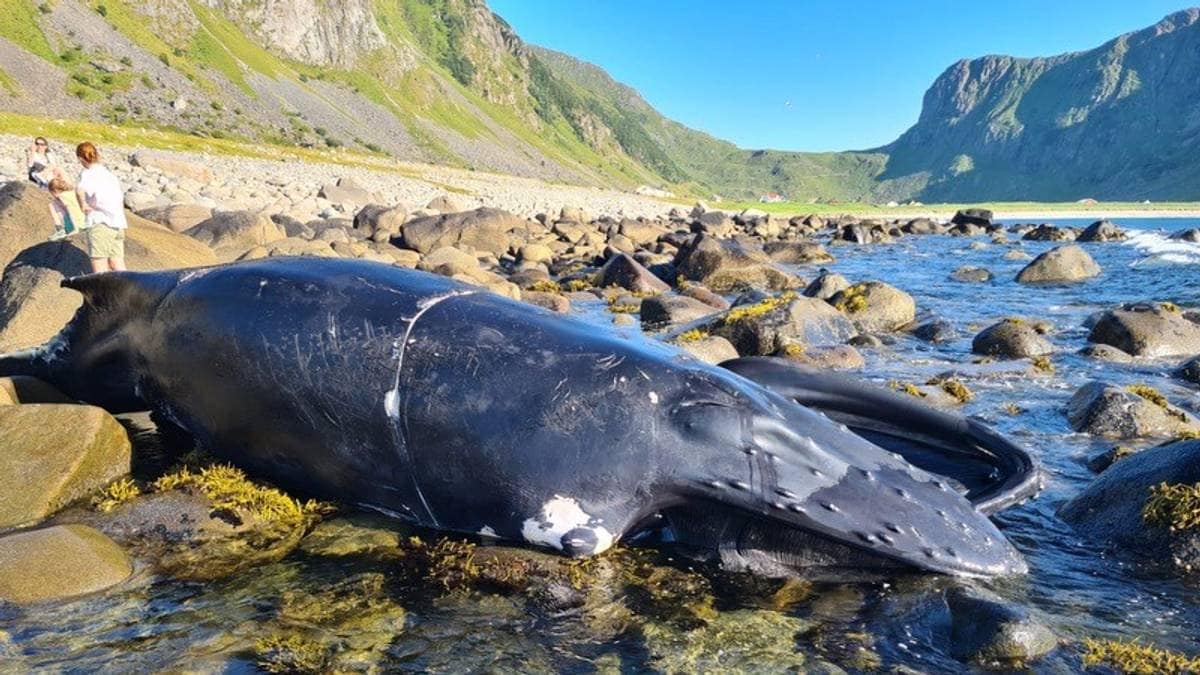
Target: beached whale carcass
x,y
459,410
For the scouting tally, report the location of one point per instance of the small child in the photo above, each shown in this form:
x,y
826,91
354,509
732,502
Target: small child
x,y
64,207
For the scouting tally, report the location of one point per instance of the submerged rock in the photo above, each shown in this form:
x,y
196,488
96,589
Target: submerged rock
x,y
968,274
1105,353
1133,412
356,534
1145,329
985,629
59,562
1189,370
55,454
762,639
1063,264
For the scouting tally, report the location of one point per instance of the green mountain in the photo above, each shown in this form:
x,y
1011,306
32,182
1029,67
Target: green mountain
x,y
448,81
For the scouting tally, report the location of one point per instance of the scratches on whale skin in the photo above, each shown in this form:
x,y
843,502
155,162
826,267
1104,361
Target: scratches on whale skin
x,y
391,401
607,363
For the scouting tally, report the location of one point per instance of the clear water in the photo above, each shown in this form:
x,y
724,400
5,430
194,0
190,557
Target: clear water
x,y
1073,586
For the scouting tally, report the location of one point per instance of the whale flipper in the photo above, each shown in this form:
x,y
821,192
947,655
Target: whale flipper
x,y
992,472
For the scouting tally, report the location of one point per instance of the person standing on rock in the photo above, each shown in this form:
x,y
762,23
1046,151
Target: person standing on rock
x,y
103,203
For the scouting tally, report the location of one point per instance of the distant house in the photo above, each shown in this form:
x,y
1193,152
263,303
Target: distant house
x,y
772,198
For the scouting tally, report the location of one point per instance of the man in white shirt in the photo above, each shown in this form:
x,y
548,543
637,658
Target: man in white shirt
x,y
103,203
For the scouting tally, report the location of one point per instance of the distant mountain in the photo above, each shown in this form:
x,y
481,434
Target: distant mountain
x,y
1119,122
448,81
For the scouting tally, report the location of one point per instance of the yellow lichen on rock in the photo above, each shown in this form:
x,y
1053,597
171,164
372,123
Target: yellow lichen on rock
x,y
907,388
955,388
694,335
545,286
853,300
115,494
1149,393
1044,364
1137,659
228,488
759,308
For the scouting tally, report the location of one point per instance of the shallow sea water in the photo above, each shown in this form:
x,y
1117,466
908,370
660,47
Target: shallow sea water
x,y
1073,586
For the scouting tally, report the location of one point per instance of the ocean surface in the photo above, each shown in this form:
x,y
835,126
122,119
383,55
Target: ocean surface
x,y
1074,587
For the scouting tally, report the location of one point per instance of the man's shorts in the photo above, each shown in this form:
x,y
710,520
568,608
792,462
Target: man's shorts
x,y
106,242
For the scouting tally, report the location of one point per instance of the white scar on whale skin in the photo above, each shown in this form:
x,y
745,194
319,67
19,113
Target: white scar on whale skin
x,y
391,400
559,516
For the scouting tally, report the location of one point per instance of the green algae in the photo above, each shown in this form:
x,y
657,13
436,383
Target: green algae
x,y
1137,659
1174,506
115,494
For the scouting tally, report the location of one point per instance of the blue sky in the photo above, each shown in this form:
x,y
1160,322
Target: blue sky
x,y
807,75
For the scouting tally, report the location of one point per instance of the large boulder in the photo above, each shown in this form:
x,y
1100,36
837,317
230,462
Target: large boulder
x,y
347,194
168,163
1123,413
232,233
986,629
55,454
826,285
770,325
451,203
1101,230
380,223
876,307
177,217
642,233
1063,264
33,307
796,252
1011,339
623,271
972,217
1145,329
24,389
1111,510
24,218
484,229
59,562
451,262
726,265
1046,232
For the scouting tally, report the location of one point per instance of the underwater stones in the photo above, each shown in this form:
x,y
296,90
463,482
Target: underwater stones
x,y
54,454
1059,265
969,275
765,327
936,331
352,535
986,629
1100,231
59,562
876,307
1147,329
1189,371
1011,339
728,641
1122,413
1112,509
1105,353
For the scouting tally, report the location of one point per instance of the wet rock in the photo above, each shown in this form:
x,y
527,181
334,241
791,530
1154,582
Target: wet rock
x,y
1050,233
55,454
728,641
1147,330
380,223
698,292
666,310
826,285
921,226
1011,339
232,233
1189,371
1058,265
986,629
484,229
1105,353
968,274
1016,255
59,562
724,265
359,534
623,271
1192,235
1101,230
709,348
1112,509
177,217
1133,412
862,233
796,252
205,524
768,326
936,331
876,307
973,217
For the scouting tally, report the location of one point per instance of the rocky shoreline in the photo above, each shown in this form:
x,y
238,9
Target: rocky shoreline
x,y
716,284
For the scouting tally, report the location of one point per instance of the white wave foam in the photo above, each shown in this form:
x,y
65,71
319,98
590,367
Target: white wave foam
x,y
1158,248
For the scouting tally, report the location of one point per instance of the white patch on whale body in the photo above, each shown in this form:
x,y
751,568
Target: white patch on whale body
x,y
391,400
559,516
391,403
654,398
